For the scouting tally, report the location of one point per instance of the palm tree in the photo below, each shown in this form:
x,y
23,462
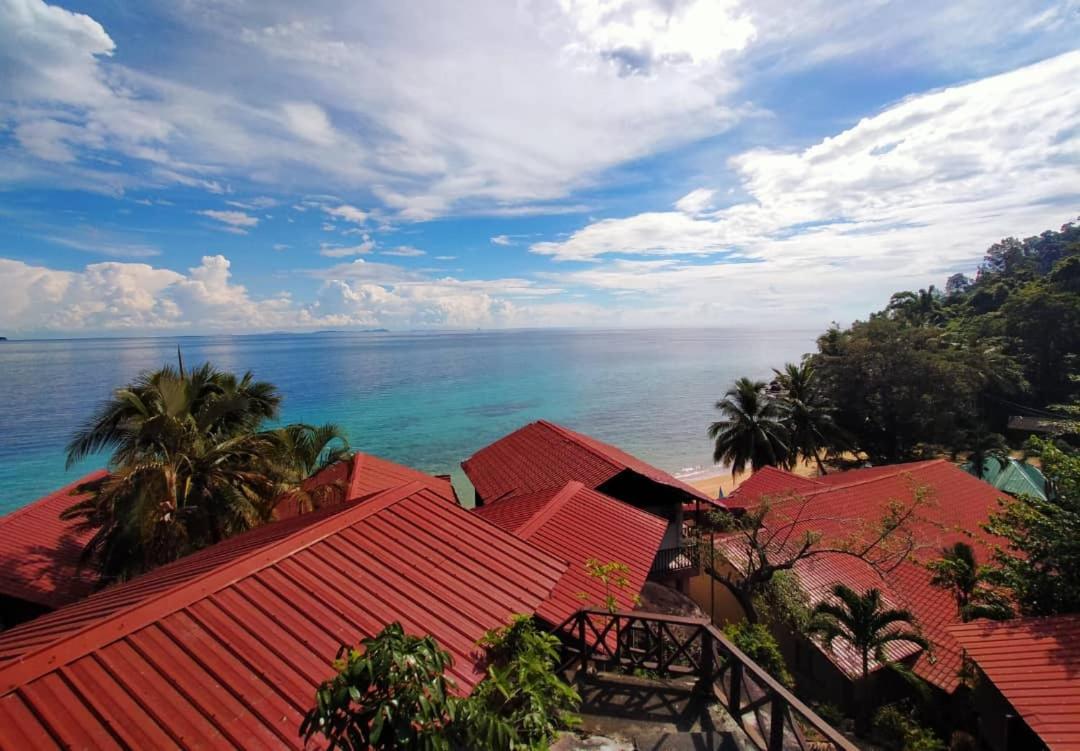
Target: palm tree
x,y
301,452
868,626
808,417
958,571
983,446
922,308
752,430
187,469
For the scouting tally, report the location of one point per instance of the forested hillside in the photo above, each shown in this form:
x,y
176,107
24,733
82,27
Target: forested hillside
x,y
940,370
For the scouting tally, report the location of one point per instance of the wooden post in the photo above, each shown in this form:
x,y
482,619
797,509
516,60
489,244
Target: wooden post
x,y
735,691
778,712
581,641
708,661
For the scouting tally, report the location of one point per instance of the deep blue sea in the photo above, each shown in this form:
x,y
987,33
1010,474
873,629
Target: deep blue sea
x,y
424,399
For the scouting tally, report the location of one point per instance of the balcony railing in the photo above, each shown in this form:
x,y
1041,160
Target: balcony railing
x,y
672,647
677,560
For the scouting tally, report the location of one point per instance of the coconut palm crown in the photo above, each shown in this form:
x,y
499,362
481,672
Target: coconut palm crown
x,y
188,466
752,430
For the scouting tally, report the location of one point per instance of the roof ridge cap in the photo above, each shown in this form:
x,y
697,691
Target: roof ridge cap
x,y
33,665
569,490
70,487
355,466
877,478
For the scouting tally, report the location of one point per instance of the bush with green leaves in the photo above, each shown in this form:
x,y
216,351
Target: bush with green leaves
x,y
758,643
522,691
392,693
898,729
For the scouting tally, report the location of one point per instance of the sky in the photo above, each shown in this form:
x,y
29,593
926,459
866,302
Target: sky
x,y
189,166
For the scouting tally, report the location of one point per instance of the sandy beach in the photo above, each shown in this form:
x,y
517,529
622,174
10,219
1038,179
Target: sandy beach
x,y
727,482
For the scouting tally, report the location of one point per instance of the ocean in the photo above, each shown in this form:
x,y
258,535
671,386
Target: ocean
x,y
424,399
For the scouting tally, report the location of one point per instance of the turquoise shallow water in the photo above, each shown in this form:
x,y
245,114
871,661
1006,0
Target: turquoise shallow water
x,y
424,399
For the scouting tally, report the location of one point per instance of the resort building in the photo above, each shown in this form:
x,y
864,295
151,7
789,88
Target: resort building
x,y
225,648
543,456
838,507
1026,681
1011,476
40,556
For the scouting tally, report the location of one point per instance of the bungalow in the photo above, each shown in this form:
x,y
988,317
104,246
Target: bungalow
x,y
226,647
40,556
841,505
1010,475
543,456
1027,681
576,524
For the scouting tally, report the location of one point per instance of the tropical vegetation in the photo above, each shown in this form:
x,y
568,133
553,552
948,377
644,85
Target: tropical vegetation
x,y
869,627
1041,556
392,692
969,583
191,463
933,372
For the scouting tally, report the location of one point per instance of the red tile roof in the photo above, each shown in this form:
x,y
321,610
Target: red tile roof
x,y
543,455
847,504
365,474
39,553
575,523
1035,664
226,647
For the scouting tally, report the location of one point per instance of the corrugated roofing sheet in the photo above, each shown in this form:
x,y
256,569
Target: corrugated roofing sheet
x,y
850,502
576,523
543,455
39,553
365,474
1035,664
226,647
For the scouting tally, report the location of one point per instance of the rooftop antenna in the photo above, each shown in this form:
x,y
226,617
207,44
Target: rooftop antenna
x,y
180,358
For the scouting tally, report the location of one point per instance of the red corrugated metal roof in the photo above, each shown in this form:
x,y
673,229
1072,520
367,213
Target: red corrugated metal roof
x,y
576,523
39,553
226,647
1035,664
543,455
769,481
851,501
365,474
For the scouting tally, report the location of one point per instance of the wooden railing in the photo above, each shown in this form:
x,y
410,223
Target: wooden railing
x,y
677,560
675,647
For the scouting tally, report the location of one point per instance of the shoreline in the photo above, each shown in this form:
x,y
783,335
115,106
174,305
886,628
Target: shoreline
x,y
710,482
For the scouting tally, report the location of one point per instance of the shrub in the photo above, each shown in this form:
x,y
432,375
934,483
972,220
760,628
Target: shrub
x,y
522,703
391,694
898,729
759,645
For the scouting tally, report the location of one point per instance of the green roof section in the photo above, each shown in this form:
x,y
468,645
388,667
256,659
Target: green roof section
x,y
1012,476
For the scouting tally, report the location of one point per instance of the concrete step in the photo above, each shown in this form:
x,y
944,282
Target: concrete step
x,y
691,741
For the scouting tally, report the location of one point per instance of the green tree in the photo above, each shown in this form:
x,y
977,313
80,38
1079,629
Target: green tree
x,y
391,693
752,429
985,446
188,467
922,308
958,571
301,451
868,626
757,642
808,417
1041,554
901,391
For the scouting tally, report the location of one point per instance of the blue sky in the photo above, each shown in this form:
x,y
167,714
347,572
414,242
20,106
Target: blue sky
x,y
241,166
